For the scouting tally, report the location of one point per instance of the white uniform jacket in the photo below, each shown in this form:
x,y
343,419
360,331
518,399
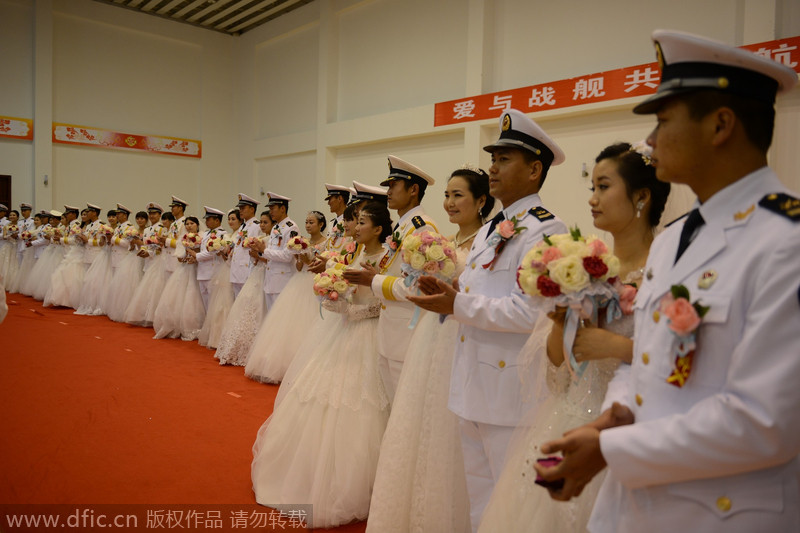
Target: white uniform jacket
x,y
396,311
119,243
151,249
39,241
24,224
207,262
496,318
95,243
335,238
240,258
281,261
174,245
719,453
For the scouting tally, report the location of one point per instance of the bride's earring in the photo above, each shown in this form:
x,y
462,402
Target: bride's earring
x,y
639,207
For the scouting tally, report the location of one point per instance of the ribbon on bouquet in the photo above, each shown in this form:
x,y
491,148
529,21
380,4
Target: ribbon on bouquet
x,y
576,312
411,279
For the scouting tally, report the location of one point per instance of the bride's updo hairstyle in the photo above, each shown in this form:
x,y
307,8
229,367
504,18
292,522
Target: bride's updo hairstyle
x,y
633,165
379,214
478,182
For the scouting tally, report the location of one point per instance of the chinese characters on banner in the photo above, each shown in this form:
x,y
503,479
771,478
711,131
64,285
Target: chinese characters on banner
x,y
86,136
16,128
640,80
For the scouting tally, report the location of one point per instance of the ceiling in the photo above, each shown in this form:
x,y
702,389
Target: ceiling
x,y
233,17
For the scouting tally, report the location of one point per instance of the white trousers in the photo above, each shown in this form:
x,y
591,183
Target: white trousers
x,y
390,375
484,447
205,291
237,287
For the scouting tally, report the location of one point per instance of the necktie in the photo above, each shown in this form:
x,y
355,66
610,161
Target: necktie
x,y
498,218
693,222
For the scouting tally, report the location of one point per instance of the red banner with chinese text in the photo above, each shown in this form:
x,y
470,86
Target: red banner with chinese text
x,y
86,136
639,80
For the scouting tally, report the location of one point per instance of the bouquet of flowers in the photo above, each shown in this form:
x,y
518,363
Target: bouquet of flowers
x,y
426,254
130,232
75,229
13,230
152,240
49,232
571,271
218,242
298,244
191,241
26,236
331,287
329,256
105,231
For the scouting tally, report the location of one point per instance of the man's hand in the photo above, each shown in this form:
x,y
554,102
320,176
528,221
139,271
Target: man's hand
x,y
317,266
583,458
363,276
439,296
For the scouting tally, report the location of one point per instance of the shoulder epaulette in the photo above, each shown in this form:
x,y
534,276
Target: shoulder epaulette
x,y
418,222
289,223
293,234
677,219
783,204
541,213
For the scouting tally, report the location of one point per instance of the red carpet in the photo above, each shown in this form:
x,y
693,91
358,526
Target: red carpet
x,y
95,412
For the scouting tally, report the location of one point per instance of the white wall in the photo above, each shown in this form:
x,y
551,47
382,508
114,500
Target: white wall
x,y
382,64
16,97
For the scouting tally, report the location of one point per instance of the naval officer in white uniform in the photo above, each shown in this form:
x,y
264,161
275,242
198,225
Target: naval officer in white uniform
x,y
407,184
706,438
281,262
495,316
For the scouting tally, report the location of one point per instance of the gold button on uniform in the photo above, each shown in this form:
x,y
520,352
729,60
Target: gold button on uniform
x,y
724,504
656,316
646,358
466,289
472,266
462,338
638,400
501,364
383,306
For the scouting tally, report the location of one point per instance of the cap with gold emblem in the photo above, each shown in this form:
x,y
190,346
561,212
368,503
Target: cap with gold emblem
x,y
152,206
403,170
178,202
211,212
368,193
277,199
3,207
124,209
56,213
518,130
70,209
95,208
23,206
246,200
690,62
341,190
